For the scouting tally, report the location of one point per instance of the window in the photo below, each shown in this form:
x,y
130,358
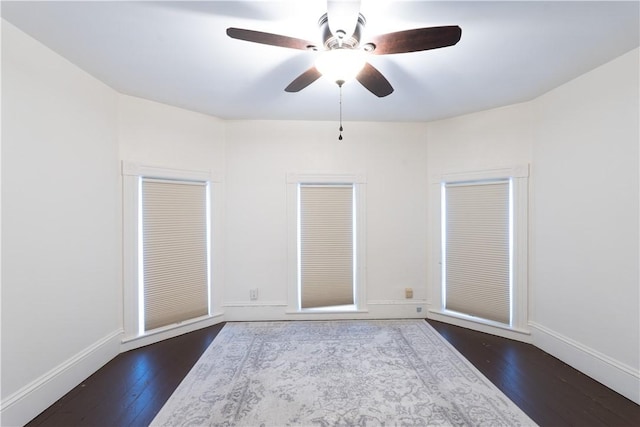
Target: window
x,y
326,249
477,249
483,247
167,231
326,220
174,282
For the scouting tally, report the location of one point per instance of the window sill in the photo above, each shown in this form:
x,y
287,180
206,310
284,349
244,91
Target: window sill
x,y
169,331
479,324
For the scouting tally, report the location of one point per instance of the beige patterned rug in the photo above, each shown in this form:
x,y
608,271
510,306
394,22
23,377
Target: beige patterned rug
x,y
327,373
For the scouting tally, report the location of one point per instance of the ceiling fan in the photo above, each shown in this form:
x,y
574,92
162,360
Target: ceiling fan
x,y
341,30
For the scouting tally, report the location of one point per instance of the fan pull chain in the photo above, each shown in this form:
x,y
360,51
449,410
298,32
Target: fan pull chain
x,y
340,136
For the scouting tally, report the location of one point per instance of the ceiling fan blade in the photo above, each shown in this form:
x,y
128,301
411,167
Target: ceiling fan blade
x,y
416,40
269,38
304,80
374,81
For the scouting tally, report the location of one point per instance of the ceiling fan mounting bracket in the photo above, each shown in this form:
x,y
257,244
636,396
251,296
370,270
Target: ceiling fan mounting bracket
x,y
340,39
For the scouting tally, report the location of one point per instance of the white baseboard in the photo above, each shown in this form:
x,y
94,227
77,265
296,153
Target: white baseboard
x,y
273,311
398,309
22,406
612,373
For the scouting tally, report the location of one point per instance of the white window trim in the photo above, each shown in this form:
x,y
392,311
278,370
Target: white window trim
x,y
359,182
519,175
131,174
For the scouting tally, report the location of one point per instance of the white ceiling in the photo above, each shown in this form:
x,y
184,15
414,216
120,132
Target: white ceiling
x,y
178,53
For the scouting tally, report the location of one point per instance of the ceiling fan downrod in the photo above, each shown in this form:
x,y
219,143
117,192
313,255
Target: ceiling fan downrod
x,y
340,83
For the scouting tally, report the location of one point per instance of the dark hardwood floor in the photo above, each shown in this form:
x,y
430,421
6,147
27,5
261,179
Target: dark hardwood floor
x,y
551,392
132,388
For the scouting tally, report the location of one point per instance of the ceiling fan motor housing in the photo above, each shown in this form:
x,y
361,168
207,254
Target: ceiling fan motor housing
x,y
341,40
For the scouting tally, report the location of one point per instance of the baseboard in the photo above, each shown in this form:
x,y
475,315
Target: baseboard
x,y
398,309
273,311
610,372
22,406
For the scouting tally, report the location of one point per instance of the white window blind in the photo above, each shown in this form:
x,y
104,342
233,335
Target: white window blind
x,y
175,258
477,249
326,245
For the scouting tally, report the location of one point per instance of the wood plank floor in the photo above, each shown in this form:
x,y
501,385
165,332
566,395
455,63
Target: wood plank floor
x,y
132,388
551,392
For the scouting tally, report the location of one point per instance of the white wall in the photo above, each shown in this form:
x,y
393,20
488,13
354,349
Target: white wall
x,y
489,139
160,135
583,145
259,156
61,226
585,223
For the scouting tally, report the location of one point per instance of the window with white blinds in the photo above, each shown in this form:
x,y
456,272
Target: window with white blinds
x,y
326,245
477,249
174,251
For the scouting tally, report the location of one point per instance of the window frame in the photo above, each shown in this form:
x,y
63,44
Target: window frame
x,y
519,177
358,181
133,174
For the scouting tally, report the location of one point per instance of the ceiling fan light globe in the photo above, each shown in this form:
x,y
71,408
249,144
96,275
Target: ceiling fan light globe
x,y
340,64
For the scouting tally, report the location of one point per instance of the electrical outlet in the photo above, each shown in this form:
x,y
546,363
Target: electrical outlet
x,y
253,294
408,293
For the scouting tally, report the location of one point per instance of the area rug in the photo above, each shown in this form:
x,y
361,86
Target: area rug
x,y
327,373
